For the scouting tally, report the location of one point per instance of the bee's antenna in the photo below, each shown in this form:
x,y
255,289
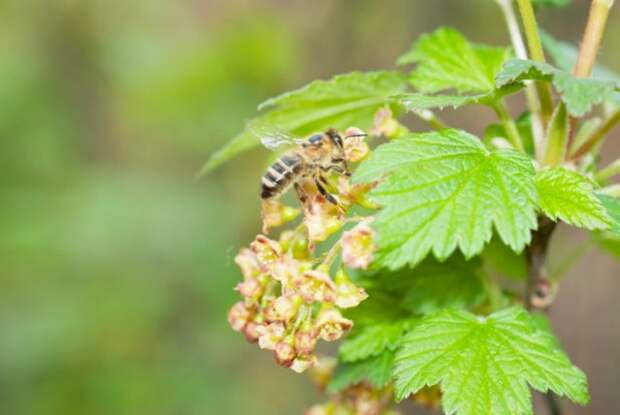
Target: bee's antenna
x,y
357,135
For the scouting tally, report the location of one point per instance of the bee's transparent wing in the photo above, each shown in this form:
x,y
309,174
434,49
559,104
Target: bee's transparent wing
x,y
271,136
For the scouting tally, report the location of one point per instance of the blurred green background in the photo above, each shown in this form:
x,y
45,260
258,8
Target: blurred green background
x,y
116,268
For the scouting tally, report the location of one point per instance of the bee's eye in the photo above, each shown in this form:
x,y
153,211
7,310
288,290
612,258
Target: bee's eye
x,y
316,139
338,140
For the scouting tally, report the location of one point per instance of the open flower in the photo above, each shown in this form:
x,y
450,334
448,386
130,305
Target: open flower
x,y
267,252
323,219
247,260
275,214
239,315
315,285
331,325
270,334
358,246
348,294
302,363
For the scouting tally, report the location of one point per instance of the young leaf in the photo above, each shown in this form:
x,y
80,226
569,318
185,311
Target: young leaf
x,y
434,285
569,196
377,370
445,190
373,340
579,94
500,259
557,135
447,60
484,364
343,101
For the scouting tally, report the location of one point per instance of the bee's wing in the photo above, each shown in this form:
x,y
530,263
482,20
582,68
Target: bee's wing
x,y
271,136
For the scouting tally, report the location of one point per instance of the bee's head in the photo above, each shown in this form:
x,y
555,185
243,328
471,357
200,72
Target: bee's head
x,y
335,137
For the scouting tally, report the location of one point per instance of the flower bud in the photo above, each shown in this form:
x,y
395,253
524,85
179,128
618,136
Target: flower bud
x,y
251,331
303,363
275,214
385,124
322,373
239,315
331,325
348,294
270,334
251,289
355,147
315,285
248,262
285,351
358,246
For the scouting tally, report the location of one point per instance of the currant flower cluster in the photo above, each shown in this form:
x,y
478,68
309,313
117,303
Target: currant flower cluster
x,y
290,300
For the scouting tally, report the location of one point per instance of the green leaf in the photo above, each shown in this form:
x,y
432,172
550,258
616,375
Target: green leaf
x,y
500,259
377,370
447,60
579,94
445,190
343,101
484,364
564,55
434,285
373,340
417,101
524,126
518,70
612,206
569,196
557,135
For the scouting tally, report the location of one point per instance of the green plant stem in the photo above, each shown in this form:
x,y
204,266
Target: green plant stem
x,y
536,254
530,89
608,172
536,52
597,136
509,125
431,118
592,36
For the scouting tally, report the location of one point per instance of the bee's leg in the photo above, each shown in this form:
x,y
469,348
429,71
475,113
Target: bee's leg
x,y
301,194
330,198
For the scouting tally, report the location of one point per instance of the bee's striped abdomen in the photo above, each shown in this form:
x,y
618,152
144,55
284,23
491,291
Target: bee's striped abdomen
x,y
280,176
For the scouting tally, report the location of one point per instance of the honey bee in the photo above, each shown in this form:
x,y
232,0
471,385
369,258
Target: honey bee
x,y
313,158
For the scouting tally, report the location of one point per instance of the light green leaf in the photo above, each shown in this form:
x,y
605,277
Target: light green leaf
x,y
377,370
517,70
564,55
500,259
569,196
434,285
447,60
484,364
372,340
612,206
445,190
579,94
417,101
343,101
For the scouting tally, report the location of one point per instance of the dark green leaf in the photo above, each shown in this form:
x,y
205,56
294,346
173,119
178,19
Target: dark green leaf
x,y
377,370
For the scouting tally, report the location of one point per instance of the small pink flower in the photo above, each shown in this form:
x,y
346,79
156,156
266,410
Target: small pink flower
x,y
239,315
358,246
305,341
270,334
285,352
385,124
303,363
267,252
275,214
331,325
251,331
323,219
251,289
315,285
248,262
348,294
